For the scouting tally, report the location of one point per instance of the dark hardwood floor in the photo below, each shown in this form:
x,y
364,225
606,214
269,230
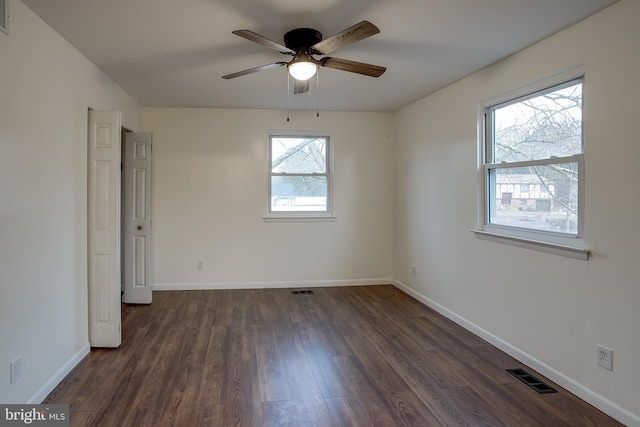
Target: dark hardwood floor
x,y
348,356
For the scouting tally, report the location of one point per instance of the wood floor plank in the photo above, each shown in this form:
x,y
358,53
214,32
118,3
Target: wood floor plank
x,y
407,364
67,389
261,313
166,367
198,337
184,400
82,419
271,374
269,297
148,395
362,356
327,370
460,334
473,407
209,299
139,316
306,394
346,411
206,316
280,414
212,384
175,300
288,342
512,410
336,340
242,405
413,411
377,367
208,416
242,341
360,295
443,367
302,312
136,417
188,310
157,335
397,304
100,385
372,400
427,334
224,308
561,406
114,409
241,297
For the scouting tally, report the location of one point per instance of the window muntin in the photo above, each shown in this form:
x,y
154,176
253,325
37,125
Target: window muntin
x,y
300,175
535,142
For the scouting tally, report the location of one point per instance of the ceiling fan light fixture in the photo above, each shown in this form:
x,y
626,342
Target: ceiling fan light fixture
x,y
302,69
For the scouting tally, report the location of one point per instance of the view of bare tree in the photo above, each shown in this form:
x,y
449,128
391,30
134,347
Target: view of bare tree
x,y
533,129
298,172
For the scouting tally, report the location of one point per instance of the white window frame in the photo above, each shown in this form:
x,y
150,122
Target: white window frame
x,y
301,216
565,244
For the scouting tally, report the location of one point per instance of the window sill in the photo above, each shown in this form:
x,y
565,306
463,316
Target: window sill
x,y
550,248
299,218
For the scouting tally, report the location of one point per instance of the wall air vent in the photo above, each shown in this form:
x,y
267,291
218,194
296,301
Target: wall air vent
x,y
4,16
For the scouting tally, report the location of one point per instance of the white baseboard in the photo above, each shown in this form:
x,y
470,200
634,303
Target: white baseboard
x,y
606,406
268,285
59,376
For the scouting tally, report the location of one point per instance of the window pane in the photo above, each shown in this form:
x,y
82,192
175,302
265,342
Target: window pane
x,y
550,204
539,127
298,154
299,193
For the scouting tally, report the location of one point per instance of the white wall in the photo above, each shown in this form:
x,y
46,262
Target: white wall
x,y
209,190
46,87
210,193
550,309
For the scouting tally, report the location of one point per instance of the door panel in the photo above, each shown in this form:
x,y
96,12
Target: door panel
x,y
103,221
137,218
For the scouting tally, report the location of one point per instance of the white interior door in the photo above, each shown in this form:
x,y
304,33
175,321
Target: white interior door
x,y
137,218
104,228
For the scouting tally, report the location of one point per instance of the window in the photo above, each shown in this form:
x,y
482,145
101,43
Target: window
x,y
532,144
299,175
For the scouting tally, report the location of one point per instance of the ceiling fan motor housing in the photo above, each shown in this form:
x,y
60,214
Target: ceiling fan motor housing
x,y
302,39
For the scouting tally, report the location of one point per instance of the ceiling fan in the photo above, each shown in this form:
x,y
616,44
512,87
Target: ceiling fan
x,y
303,43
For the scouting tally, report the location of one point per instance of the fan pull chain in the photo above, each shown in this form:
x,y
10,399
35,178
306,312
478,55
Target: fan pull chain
x,y
288,93
318,91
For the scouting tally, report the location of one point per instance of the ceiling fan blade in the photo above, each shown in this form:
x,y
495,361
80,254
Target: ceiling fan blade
x,y
257,38
300,86
353,66
352,34
254,70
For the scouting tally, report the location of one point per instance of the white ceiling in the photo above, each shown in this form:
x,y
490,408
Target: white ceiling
x,y
173,53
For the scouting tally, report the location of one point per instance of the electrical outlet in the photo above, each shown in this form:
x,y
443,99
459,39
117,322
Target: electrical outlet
x,y
605,357
16,369
200,264
413,270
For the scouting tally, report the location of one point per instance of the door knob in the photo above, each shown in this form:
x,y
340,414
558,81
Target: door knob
x,y
139,227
